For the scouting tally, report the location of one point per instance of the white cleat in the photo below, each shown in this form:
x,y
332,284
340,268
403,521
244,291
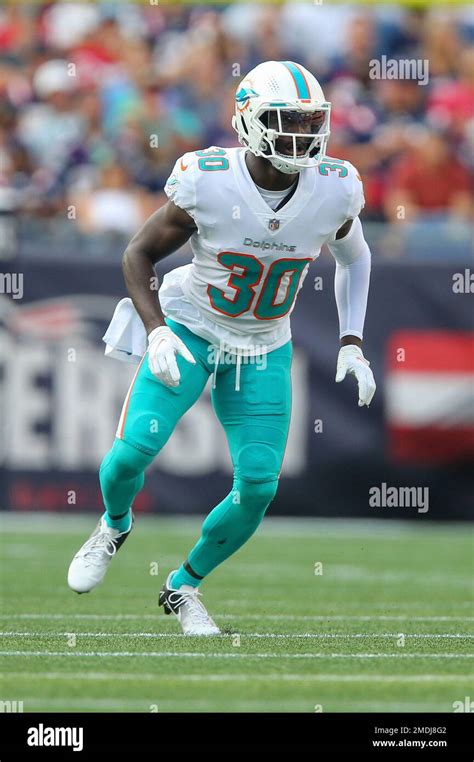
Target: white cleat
x,y
184,603
89,565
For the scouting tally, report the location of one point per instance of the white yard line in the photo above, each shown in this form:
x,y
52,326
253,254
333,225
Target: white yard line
x,y
274,617
205,654
276,635
238,677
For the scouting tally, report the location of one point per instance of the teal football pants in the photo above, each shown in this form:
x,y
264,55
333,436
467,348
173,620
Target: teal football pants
x,y
255,418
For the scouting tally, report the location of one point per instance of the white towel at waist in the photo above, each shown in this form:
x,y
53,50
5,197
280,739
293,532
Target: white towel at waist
x,y
126,338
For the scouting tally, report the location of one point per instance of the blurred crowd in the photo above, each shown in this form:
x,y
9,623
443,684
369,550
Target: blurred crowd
x,y
98,100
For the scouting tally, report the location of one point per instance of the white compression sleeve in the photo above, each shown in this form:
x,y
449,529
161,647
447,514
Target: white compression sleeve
x,y
351,282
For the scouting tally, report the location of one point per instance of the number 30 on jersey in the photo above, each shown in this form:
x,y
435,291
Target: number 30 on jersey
x,y
246,274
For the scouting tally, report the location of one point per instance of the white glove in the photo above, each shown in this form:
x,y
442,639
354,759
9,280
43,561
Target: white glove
x,y
163,345
351,360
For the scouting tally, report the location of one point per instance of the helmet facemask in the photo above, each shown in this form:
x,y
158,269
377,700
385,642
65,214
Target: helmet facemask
x,y
292,136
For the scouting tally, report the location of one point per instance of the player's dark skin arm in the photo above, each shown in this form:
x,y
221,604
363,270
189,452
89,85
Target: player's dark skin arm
x,y
265,175
162,234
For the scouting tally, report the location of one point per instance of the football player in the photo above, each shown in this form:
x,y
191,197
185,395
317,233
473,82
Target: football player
x,y
256,216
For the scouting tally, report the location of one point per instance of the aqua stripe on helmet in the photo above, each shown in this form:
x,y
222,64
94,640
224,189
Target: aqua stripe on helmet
x,y
299,79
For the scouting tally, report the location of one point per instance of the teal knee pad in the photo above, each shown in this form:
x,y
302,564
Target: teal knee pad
x,y
149,432
258,462
256,479
123,462
254,496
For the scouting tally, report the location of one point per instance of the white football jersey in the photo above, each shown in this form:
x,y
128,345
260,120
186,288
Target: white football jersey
x,y
249,261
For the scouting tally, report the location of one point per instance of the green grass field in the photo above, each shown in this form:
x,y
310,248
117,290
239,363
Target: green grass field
x,y
387,626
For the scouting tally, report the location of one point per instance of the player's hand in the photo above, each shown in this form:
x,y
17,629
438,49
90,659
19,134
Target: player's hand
x,y
163,346
352,361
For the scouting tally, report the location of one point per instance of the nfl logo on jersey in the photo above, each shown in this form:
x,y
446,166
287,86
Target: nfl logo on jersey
x,y
274,224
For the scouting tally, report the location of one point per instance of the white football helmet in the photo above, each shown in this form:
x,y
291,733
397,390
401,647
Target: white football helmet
x,y
281,114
